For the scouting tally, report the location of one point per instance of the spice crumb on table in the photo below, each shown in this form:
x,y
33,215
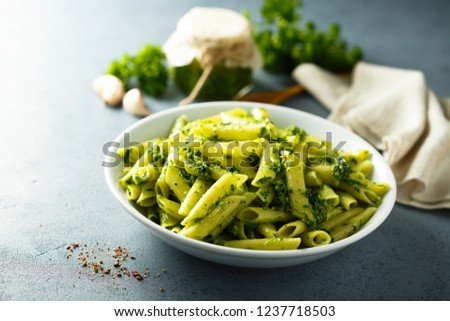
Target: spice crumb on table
x,y
107,262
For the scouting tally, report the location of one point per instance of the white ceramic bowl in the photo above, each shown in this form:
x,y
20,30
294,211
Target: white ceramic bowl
x,y
158,125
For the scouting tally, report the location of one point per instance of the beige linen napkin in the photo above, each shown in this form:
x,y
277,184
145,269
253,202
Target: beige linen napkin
x,y
395,111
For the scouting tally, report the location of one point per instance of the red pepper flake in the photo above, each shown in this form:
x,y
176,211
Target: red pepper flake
x,y
98,263
137,275
118,251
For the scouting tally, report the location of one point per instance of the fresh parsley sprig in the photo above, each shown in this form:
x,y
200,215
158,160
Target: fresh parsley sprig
x,y
146,70
284,42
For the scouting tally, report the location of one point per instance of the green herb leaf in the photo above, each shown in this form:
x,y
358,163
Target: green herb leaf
x,y
147,70
284,43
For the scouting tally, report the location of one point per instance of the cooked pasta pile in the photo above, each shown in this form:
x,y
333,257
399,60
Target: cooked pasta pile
x,y
235,179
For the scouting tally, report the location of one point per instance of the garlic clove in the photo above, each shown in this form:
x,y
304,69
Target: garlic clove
x,y
109,88
133,102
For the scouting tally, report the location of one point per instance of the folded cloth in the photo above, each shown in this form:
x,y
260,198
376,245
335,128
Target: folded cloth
x,y
395,111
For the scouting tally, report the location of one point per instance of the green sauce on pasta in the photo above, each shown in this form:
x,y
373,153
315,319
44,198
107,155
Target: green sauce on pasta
x,y
236,179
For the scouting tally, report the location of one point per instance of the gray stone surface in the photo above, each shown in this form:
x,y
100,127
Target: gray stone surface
x,y
53,127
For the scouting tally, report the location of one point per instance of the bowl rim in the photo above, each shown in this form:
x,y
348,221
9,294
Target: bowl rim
x,y
388,200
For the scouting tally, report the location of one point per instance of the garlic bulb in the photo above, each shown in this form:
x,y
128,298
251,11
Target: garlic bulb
x,y
133,102
109,88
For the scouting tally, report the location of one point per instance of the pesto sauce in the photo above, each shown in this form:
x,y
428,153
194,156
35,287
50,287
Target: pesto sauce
x,y
341,169
188,178
318,208
222,83
126,157
282,194
195,161
295,131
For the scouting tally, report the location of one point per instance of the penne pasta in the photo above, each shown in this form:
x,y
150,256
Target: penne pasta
x,y
193,196
327,194
266,194
267,230
261,215
170,207
315,238
176,182
213,222
268,167
235,179
341,218
312,179
292,229
352,225
228,183
346,200
266,244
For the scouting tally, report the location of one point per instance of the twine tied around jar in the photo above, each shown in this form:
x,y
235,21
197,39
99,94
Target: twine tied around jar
x,y
238,53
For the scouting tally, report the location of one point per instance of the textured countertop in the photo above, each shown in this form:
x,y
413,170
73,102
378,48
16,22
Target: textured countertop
x,y
53,192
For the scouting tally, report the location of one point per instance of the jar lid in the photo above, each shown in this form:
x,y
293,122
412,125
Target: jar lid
x,y
213,27
202,29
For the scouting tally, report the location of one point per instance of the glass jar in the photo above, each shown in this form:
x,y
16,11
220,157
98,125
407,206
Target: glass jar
x,y
212,49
